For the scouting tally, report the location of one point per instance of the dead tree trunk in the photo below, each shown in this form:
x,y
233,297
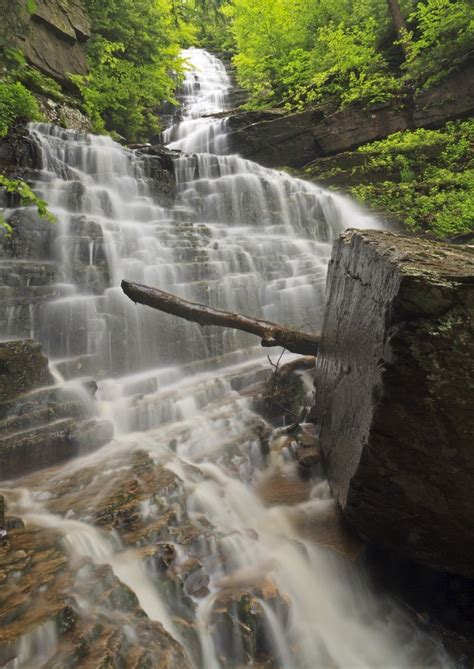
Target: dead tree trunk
x,y
270,333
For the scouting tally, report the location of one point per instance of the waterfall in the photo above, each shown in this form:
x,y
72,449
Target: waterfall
x,y
240,237
205,91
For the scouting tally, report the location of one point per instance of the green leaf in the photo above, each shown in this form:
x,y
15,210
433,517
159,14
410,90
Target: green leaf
x,y
31,6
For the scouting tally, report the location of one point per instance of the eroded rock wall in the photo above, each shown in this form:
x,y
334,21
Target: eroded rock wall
x,y
55,38
294,140
394,394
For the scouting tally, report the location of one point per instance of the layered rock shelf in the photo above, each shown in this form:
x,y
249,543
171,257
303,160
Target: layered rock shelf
x,y
42,424
275,139
394,394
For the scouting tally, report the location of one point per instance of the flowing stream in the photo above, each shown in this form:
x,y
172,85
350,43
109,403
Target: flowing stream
x,y
243,238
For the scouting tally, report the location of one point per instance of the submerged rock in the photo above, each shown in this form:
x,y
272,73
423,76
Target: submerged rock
x,y
240,623
394,394
43,620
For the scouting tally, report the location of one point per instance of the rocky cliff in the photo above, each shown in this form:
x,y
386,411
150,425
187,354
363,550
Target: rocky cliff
x,y
394,394
55,38
275,139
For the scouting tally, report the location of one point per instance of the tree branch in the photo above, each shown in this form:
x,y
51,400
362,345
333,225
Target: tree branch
x,y
270,333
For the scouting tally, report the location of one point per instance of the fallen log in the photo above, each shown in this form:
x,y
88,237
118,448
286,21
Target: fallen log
x,y
270,333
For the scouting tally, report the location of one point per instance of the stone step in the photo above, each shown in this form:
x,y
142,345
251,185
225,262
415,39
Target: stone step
x,y
43,397
42,416
77,367
49,445
27,274
36,448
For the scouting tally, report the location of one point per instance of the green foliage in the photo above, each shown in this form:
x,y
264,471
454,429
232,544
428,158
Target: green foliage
x,y
300,52
17,105
432,178
270,47
134,64
27,197
442,39
208,25
38,82
349,66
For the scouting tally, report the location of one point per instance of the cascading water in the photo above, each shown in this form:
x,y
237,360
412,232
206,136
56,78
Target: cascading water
x,y
206,91
243,238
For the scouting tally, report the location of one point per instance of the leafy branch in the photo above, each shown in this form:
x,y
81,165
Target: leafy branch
x,y
27,198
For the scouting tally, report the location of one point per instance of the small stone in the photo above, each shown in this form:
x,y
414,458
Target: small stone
x,y
14,523
308,456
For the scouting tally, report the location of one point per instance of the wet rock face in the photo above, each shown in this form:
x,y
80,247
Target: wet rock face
x,y
38,260
23,367
394,382
240,627
93,618
159,170
274,141
41,424
42,621
18,154
55,38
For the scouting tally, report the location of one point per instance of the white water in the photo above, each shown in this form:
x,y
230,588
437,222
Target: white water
x,y
243,238
205,91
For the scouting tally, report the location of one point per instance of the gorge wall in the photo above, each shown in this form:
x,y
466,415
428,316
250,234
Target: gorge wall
x,y
275,139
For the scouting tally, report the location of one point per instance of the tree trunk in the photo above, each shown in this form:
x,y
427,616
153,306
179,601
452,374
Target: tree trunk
x,y
271,334
399,21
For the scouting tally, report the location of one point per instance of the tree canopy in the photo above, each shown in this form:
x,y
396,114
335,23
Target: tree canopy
x,y
297,52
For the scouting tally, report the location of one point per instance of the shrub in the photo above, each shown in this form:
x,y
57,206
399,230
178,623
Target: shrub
x,y
17,105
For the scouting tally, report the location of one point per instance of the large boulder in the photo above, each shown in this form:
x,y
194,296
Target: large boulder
x,y
394,394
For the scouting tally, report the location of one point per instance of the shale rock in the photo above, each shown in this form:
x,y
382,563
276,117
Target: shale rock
x,y
41,424
240,627
159,171
275,141
43,624
294,140
23,367
394,394
453,98
18,153
55,38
